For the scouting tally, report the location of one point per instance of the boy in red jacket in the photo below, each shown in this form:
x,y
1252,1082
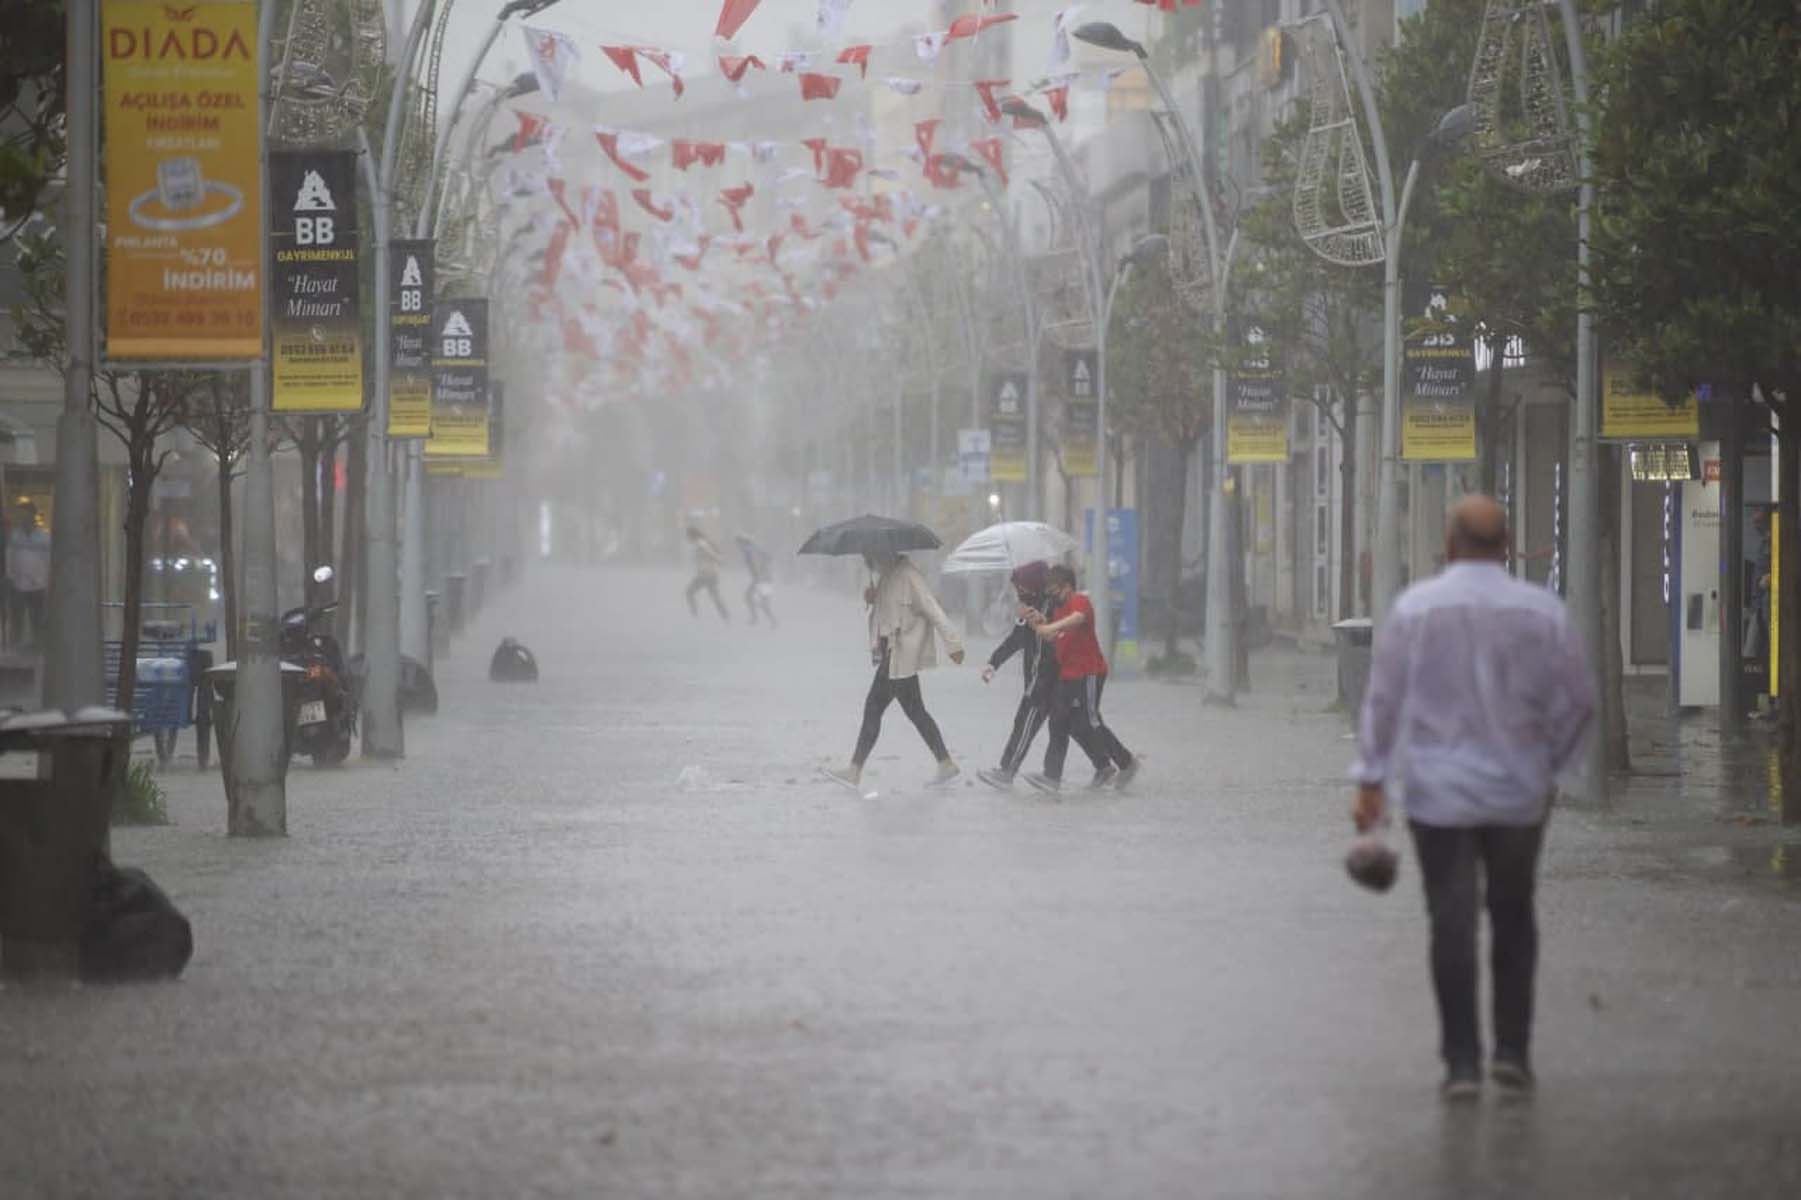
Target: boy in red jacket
x,y
1076,706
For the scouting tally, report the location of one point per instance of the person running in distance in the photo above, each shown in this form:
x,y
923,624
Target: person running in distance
x,y
1076,703
706,572
758,591
905,621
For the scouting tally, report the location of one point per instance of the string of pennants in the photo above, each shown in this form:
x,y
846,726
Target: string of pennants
x,y
555,56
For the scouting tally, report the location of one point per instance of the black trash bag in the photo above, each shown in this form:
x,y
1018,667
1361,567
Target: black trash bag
x,y
512,663
133,931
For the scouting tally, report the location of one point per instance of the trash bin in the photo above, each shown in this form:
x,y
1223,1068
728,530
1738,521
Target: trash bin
x,y
1354,638
53,831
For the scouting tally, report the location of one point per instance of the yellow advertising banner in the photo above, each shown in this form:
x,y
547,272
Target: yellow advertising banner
x,y
184,270
1438,433
409,405
1633,415
1253,437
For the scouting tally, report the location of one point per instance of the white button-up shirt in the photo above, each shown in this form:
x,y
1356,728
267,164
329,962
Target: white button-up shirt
x,y
1479,697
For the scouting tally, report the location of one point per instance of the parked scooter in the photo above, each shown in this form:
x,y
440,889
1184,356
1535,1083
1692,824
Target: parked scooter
x,y
326,721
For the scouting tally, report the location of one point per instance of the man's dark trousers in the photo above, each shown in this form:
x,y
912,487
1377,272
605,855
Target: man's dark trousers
x,y
1462,867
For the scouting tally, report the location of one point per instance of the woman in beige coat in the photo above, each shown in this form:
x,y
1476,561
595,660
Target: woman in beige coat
x,y
905,621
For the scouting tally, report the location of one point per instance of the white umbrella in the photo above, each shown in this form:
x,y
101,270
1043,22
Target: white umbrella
x,y
1001,548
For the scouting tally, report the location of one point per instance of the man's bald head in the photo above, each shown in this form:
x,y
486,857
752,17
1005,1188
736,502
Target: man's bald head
x,y
1476,530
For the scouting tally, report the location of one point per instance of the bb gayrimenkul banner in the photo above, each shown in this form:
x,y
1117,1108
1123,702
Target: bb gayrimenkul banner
x,y
410,339
1081,413
1438,418
184,271
1257,421
1007,426
317,335
459,409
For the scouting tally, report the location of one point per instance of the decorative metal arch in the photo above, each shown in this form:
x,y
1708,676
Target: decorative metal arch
x,y
1533,149
1334,207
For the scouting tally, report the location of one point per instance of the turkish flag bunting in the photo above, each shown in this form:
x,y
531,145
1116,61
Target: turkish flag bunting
x,y
609,144
814,86
606,210
733,15
972,24
626,59
861,236
734,198
560,192
692,261
553,253
842,166
531,127
923,133
671,64
986,88
733,66
990,149
648,203
941,174
1059,98
800,226
1169,5
685,153
817,146
858,57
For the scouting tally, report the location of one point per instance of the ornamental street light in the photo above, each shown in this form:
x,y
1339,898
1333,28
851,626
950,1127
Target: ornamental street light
x,y
1221,634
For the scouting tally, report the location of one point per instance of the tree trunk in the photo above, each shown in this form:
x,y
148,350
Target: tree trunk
x,y
228,555
356,484
1347,514
309,506
1788,601
1491,421
1178,490
137,516
1613,660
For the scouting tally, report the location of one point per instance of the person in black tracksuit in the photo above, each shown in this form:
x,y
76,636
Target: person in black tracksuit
x,y
1039,662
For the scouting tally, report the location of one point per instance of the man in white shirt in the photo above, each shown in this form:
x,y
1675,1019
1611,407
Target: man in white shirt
x,y
27,573
1479,697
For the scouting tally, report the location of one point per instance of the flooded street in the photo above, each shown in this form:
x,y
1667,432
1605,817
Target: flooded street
x,y
611,935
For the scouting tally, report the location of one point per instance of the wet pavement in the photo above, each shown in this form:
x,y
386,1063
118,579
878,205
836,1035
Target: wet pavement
x,y
610,936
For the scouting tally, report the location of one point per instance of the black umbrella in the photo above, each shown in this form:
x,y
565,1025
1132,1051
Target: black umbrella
x,y
871,535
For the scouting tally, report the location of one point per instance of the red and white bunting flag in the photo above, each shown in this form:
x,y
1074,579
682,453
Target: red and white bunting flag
x,y
609,145
553,254
991,150
799,224
648,203
831,17
1059,100
559,191
924,132
793,61
858,57
531,128
626,59
817,146
814,86
684,153
734,199
733,16
843,163
554,56
1060,48
733,66
672,62
905,87
972,24
940,174
927,45
985,88
1169,5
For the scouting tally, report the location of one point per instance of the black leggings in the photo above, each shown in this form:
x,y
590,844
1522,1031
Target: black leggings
x,y
1076,712
883,690
1034,709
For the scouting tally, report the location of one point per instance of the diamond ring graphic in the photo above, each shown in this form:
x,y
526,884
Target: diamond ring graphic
x,y
181,188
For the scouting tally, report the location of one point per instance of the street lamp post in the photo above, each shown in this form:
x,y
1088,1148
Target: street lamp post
x,y
1222,651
